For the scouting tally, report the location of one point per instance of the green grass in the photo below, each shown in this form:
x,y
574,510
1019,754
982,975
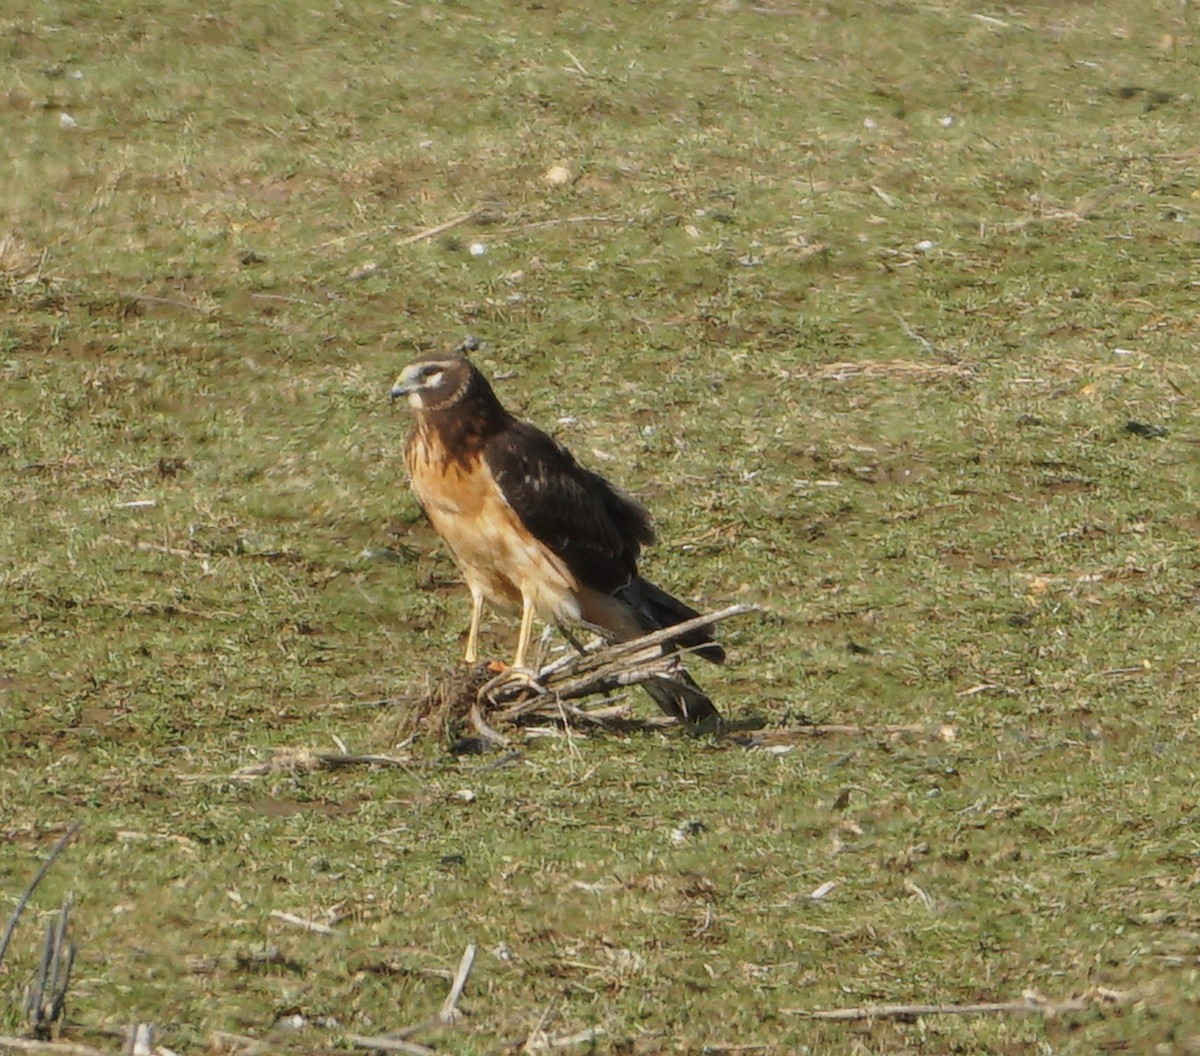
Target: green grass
x,y
206,286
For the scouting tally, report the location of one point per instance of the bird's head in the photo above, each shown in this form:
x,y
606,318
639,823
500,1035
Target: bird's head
x,y
434,384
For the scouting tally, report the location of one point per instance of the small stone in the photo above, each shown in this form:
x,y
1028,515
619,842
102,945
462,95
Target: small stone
x,y
366,270
686,831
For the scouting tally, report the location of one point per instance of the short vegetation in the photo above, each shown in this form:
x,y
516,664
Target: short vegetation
x,y
888,311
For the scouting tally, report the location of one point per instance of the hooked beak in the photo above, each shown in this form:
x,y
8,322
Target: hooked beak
x,y
406,384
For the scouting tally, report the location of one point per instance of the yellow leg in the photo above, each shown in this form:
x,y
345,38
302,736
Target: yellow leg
x,y
473,632
526,632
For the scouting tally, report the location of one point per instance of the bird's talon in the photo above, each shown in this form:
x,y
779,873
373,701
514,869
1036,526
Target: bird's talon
x,y
511,673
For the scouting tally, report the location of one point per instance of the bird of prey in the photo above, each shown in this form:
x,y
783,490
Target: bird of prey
x,y
532,530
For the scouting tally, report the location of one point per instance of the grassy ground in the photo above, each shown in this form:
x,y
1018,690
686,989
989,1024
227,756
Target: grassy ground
x,y
860,298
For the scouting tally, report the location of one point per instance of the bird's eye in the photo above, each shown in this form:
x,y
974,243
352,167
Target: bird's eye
x,y
431,373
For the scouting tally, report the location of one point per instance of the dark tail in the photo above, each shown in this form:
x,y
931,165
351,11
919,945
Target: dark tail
x,y
677,694
656,609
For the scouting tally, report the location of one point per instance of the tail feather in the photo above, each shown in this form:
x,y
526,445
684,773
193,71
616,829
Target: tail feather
x,y
679,696
677,693
656,609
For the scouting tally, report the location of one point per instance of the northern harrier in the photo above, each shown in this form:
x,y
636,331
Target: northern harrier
x,y
534,531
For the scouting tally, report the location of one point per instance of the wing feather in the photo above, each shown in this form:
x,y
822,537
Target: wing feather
x,y
596,529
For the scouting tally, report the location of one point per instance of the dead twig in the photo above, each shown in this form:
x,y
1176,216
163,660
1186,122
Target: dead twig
x,y
437,229
408,240
619,664
796,734
908,328
533,225
386,1043
905,1011
448,1014
55,851
300,922
46,999
480,726
1030,1004
50,1048
538,1033
480,699
247,1045
983,687
284,299
540,1041
601,671
603,677
300,761
449,1011
139,1040
1084,209
575,62
673,633
333,760
892,368
170,302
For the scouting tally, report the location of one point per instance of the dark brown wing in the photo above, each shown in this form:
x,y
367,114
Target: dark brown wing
x,y
594,528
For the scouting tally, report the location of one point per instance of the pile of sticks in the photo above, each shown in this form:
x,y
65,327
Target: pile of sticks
x,y
483,699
